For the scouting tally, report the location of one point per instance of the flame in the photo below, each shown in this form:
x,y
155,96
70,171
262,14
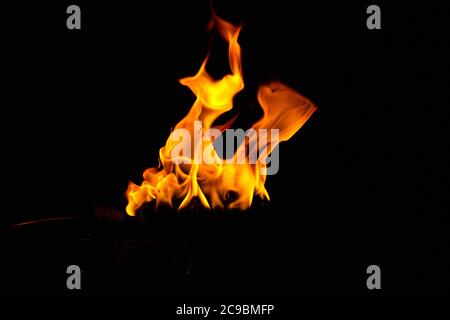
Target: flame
x,y
218,183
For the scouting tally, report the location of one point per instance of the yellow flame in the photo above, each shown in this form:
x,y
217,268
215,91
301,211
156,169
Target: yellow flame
x,y
213,180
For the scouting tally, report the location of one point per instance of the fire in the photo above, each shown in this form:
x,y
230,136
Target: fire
x,y
202,174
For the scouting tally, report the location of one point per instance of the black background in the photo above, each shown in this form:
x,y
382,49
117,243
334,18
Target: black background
x,y
364,182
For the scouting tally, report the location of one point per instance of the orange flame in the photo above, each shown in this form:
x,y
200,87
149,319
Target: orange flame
x,y
180,179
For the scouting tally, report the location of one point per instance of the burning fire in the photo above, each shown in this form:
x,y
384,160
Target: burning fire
x,y
220,183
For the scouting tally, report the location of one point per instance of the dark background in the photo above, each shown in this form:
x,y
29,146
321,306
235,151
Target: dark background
x,y
364,182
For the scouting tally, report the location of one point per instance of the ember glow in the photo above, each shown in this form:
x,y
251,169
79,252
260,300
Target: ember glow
x,y
202,174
